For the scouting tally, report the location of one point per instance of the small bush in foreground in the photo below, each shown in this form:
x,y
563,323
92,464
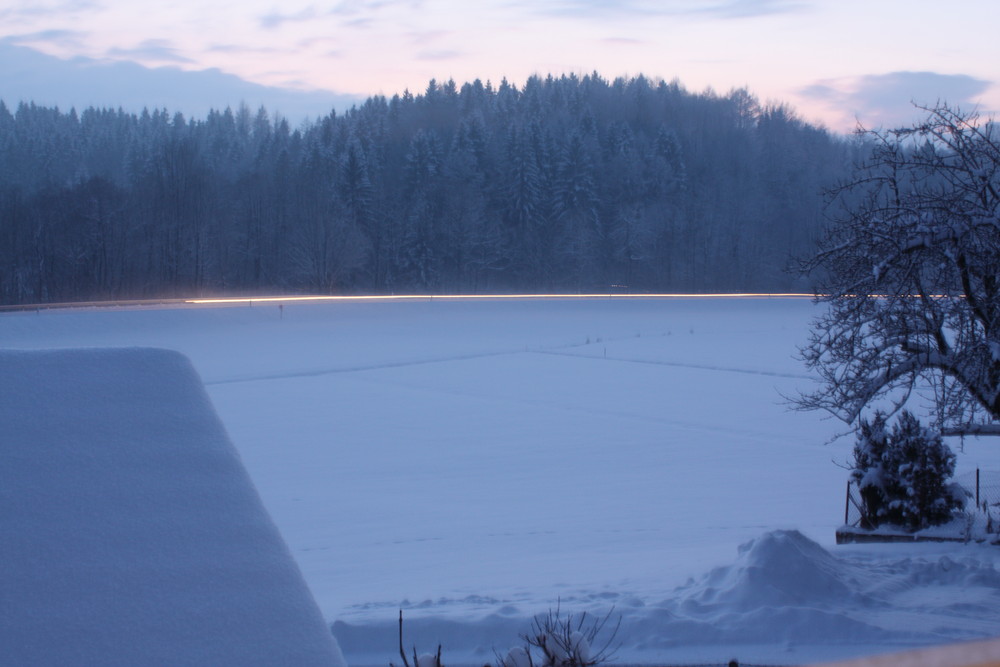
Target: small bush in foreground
x,y
565,642
562,642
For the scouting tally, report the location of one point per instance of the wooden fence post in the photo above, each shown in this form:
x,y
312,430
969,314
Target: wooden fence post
x,y
847,504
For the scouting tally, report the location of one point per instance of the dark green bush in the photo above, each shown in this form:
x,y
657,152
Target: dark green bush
x,y
903,474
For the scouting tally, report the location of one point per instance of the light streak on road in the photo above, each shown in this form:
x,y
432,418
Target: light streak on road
x,y
293,298
318,298
460,297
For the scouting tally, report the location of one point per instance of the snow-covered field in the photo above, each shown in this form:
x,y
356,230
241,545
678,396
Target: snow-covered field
x,y
478,462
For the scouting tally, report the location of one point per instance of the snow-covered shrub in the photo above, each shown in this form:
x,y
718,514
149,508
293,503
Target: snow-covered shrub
x,y
565,642
902,475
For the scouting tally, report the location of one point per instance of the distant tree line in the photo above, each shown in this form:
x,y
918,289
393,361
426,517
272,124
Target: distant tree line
x,y
571,183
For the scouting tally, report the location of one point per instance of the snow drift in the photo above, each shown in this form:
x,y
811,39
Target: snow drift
x,y
132,533
783,590
786,589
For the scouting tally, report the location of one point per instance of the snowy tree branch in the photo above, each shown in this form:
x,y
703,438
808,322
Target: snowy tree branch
x,y
911,271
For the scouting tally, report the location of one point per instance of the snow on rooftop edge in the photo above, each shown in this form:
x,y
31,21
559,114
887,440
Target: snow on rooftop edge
x,y
132,532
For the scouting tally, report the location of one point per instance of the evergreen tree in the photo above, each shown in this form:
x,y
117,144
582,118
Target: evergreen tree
x,y
902,474
571,183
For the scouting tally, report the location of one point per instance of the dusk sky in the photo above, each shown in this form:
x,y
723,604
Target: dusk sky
x,y
833,60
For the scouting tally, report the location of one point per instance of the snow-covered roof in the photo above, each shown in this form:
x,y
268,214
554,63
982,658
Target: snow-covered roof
x,y
131,532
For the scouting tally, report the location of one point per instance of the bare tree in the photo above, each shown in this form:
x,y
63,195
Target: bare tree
x,y
910,273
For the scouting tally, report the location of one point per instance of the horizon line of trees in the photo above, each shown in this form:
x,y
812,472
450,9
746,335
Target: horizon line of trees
x,y
569,183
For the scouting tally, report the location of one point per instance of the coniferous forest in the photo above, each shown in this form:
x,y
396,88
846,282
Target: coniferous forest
x,y
576,184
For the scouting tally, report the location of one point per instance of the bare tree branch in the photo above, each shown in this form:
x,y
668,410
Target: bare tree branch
x,y
910,273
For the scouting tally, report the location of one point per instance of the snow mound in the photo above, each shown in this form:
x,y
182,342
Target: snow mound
x,y
784,587
132,533
778,569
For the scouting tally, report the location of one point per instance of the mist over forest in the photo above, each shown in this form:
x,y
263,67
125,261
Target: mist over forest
x,y
576,184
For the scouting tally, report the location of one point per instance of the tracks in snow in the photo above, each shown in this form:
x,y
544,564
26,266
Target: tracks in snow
x,y
557,350
358,369
678,364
